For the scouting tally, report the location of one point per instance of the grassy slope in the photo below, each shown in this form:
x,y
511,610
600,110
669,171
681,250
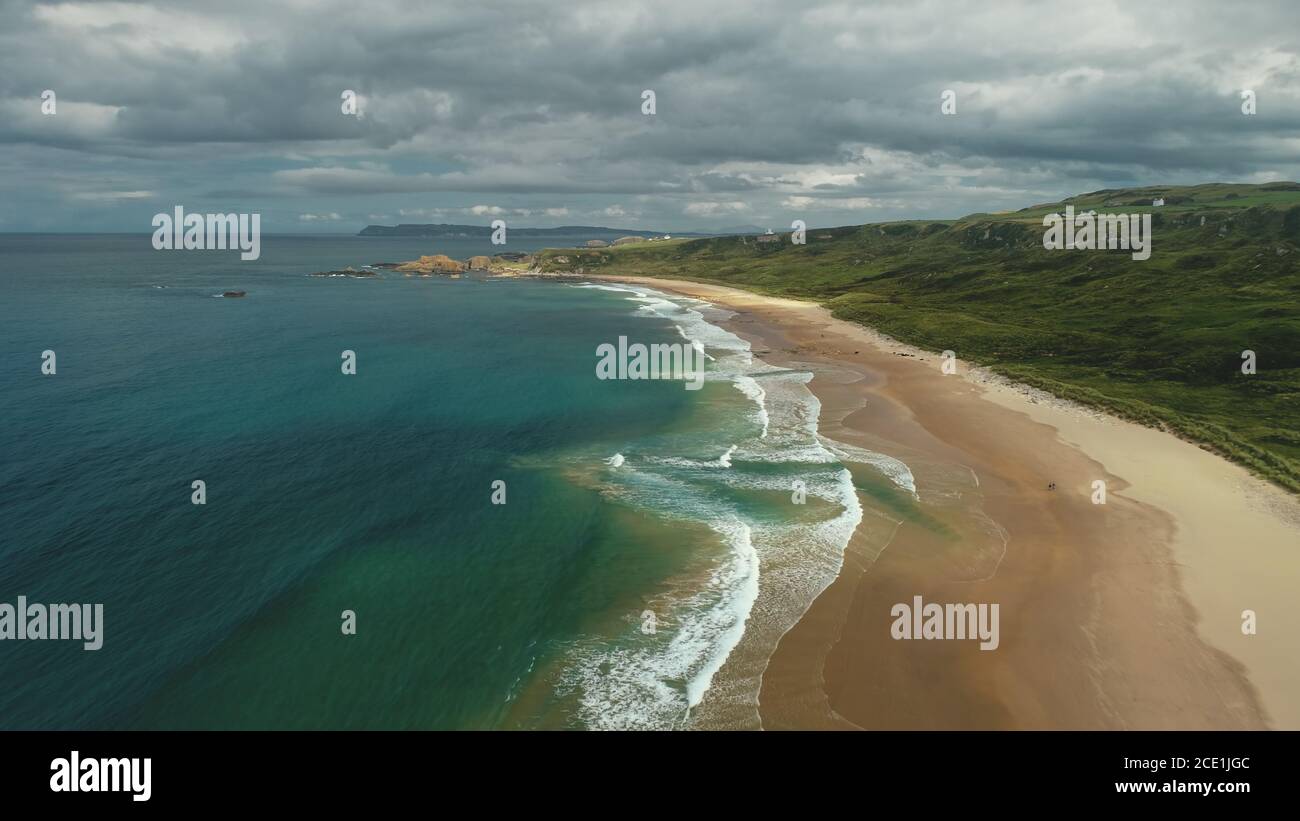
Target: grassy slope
x,y
1158,341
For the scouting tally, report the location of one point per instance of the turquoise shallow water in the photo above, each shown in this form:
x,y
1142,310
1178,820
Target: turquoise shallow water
x,y
371,493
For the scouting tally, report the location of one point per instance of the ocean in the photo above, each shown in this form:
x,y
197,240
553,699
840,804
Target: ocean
x,y
640,523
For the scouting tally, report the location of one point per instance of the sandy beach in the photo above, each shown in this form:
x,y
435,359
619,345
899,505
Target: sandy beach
x,y
1122,615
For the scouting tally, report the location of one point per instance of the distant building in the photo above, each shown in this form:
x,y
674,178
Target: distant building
x,y
1159,201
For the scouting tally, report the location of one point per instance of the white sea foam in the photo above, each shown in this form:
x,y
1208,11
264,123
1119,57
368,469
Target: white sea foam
x,y
597,286
723,625
748,386
646,688
656,681
895,470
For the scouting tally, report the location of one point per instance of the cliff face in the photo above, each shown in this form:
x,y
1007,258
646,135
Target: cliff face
x,y
480,263
436,264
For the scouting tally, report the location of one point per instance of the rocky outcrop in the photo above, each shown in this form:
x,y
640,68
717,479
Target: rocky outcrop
x,y
628,240
597,243
428,265
480,263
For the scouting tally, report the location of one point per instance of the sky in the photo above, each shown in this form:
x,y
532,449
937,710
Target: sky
x,y
533,112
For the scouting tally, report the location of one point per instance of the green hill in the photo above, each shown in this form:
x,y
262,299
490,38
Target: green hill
x,y
1157,341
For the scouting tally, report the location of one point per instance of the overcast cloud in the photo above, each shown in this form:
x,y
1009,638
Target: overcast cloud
x,y
766,112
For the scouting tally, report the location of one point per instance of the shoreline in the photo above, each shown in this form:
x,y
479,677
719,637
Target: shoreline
x,y
1123,615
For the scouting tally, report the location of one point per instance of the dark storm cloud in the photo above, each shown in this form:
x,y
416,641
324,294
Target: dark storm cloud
x,y
765,111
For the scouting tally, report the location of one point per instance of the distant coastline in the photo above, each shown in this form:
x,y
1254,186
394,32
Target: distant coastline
x,y
449,230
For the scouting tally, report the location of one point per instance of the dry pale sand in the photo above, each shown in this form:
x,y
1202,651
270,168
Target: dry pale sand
x,y
1122,615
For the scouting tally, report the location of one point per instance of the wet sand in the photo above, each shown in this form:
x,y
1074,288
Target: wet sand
x,y
1123,615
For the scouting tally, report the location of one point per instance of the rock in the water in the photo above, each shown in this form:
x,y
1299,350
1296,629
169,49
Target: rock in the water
x,y
436,264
